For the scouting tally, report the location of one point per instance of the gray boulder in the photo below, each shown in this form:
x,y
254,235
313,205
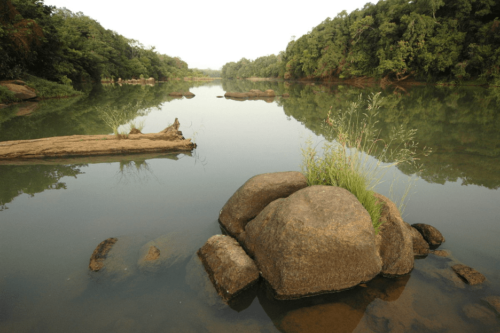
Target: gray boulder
x,y
230,269
253,196
319,239
394,240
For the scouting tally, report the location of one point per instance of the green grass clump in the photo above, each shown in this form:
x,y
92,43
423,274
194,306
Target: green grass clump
x,y
356,158
49,89
6,96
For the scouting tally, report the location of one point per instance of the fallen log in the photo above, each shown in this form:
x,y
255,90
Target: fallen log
x,y
168,140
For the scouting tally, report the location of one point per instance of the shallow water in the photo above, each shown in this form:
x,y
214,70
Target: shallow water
x,y
54,215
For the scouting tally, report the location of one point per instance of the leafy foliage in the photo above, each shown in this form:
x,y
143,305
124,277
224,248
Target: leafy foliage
x,y
59,45
429,40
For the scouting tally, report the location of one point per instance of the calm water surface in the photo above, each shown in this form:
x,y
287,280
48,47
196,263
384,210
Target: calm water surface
x,y
55,213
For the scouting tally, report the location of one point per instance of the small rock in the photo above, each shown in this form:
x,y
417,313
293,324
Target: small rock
x,y
470,275
220,96
253,196
100,253
135,131
430,234
286,95
153,254
230,269
494,302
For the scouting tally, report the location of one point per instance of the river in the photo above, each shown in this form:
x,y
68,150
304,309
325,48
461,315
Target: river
x,y
53,215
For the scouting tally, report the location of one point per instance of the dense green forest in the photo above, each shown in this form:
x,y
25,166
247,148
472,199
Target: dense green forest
x,y
65,47
427,40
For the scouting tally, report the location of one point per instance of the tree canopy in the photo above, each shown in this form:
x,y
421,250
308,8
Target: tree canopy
x,y
59,45
427,40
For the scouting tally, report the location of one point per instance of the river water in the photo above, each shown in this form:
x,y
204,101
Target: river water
x,y
54,213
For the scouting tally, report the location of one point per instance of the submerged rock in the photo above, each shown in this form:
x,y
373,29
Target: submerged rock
x,y
430,234
394,240
493,302
153,253
100,253
230,269
253,196
470,275
319,239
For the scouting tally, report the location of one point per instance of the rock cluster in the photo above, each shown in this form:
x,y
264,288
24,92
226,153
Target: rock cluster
x,y
308,240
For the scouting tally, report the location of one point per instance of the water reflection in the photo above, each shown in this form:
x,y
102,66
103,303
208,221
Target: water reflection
x,y
32,177
80,115
461,124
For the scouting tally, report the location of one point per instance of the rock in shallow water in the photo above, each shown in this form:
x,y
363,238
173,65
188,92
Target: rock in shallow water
x,y
319,239
470,275
430,234
253,196
100,253
228,266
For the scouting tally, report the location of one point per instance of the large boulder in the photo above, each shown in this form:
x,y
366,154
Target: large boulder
x,y
430,234
230,269
394,240
319,239
253,196
20,91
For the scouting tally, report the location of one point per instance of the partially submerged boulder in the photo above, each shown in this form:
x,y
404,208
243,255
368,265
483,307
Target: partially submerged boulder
x,y
100,253
394,240
319,239
468,274
230,269
430,234
253,196
420,246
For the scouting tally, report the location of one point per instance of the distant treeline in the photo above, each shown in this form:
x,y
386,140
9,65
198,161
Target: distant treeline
x,y
209,72
59,45
427,40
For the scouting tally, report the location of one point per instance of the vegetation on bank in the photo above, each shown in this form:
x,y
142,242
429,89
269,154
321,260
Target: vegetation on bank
x,y
428,40
61,46
356,158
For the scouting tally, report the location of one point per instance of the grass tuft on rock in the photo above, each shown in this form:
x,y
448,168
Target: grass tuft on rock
x,y
355,158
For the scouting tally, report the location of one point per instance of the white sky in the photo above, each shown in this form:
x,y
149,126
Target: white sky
x,y
207,34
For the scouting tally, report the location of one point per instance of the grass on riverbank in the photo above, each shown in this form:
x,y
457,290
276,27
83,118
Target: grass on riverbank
x,y
357,159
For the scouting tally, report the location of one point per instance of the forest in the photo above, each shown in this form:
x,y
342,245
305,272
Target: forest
x,y
425,40
61,46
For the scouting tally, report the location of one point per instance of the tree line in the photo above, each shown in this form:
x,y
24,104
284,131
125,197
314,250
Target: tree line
x,y
428,40
59,45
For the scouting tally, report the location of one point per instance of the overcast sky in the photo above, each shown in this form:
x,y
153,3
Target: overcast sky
x,y
207,34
